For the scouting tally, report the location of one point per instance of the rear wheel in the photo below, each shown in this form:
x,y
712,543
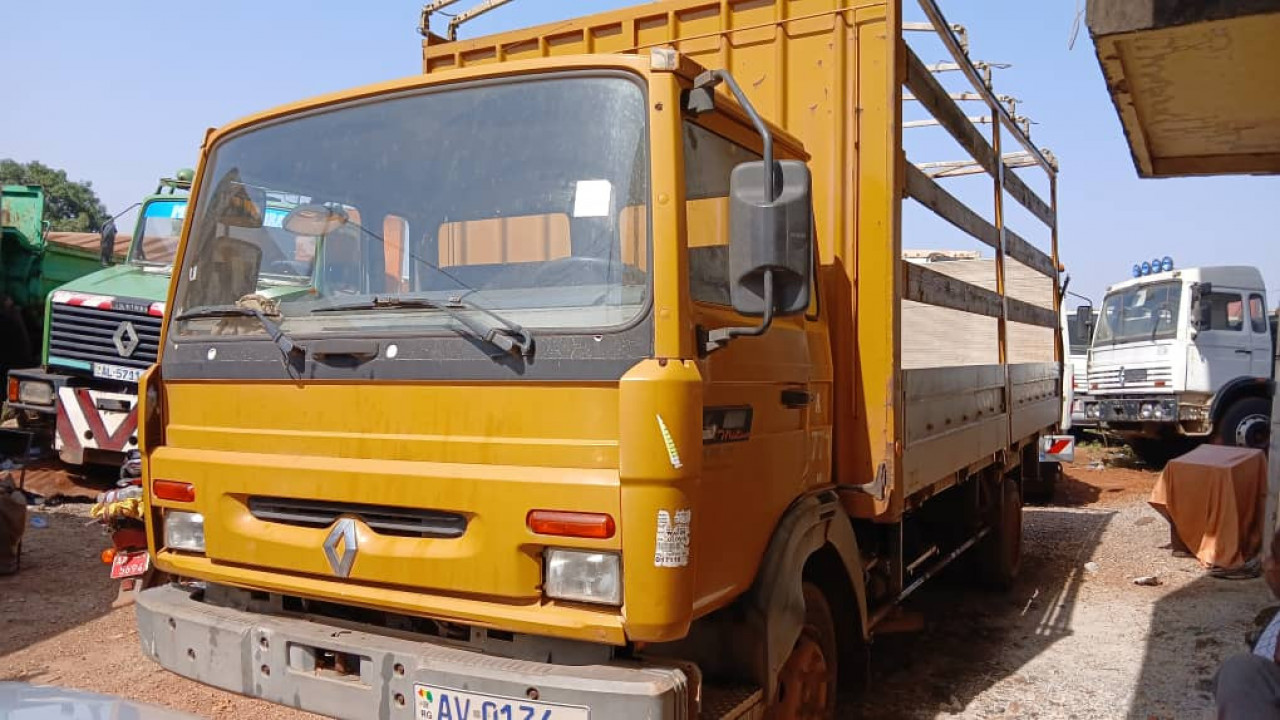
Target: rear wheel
x,y
807,680
1247,423
999,554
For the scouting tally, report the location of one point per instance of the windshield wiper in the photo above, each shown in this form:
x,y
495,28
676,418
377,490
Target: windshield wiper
x,y
504,334
286,344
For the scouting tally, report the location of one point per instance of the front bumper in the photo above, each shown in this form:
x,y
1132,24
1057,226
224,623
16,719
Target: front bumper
x,y
1132,409
273,657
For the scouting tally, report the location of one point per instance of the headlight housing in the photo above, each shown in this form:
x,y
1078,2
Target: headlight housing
x,y
35,392
1146,410
184,531
587,576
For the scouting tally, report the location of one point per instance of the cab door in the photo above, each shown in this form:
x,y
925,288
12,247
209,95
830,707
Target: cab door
x,y
757,393
1260,335
1224,340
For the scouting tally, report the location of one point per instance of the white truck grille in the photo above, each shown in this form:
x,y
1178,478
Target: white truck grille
x,y
1123,379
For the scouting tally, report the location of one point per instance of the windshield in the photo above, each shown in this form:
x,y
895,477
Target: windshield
x,y
160,228
529,199
1143,312
1077,335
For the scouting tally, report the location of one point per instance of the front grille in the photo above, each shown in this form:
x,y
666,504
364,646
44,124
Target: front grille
x,y
87,334
382,519
1118,378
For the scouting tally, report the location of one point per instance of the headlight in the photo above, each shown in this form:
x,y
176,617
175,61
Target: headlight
x,y
184,531
582,575
1091,410
34,392
1145,411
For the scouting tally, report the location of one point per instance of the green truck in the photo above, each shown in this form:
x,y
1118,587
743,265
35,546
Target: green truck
x,y
33,261
102,330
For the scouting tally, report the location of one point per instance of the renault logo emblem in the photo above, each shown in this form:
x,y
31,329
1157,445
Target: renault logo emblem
x,y
125,338
340,547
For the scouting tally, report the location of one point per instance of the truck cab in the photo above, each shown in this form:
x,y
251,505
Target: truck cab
x,y
1183,354
102,331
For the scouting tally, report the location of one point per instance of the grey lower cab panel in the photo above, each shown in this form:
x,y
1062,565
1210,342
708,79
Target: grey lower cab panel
x,y
275,658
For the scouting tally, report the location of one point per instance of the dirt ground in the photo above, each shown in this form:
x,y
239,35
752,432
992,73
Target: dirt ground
x,y
1075,638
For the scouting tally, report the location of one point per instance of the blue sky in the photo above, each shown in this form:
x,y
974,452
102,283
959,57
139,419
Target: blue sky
x,y
121,93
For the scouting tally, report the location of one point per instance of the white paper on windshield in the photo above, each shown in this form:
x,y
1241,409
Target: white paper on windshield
x,y
591,198
1140,298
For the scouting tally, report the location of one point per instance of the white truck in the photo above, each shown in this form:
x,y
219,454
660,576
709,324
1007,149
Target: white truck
x,y
1183,355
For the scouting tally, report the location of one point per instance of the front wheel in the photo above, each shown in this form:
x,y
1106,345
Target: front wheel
x,y
807,680
1247,423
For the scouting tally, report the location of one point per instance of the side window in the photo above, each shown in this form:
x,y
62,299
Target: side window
x,y
1258,314
1226,311
708,161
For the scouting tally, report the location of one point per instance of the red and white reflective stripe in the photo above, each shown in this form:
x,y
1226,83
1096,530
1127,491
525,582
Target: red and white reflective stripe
x,y
81,425
66,297
1057,448
156,309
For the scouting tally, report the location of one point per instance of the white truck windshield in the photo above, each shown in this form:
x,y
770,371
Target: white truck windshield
x,y
1142,312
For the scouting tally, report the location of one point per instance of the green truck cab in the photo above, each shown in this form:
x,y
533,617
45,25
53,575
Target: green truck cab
x,y
102,331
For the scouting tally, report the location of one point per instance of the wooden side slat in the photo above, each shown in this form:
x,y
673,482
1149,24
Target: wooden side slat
x,y
934,98
934,288
1028,314
931,195
1019,191
1027,254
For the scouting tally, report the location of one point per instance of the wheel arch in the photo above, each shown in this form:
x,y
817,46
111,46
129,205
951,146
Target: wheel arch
x,y
1237,388
814,541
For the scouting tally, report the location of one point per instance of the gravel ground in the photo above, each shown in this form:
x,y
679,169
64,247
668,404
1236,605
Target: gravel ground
x,y
1075,638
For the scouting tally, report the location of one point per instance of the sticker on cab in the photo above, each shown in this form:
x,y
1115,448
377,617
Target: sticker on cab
x,y
672,543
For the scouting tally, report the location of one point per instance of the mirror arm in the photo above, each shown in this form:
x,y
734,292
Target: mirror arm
x,y
711,78
720,337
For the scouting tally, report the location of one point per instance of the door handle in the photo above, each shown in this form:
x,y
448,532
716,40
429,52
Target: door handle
x,y
1244,352
796,399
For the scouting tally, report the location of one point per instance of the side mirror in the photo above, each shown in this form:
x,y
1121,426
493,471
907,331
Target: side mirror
x,y
107,242
770,239
1201,311
1084,316
770,227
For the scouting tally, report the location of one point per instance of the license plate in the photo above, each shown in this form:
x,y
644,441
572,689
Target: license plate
x,y
116,372
130,564
432,702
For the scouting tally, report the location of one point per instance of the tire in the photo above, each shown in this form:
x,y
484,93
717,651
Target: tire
x,y
807,680
999,554
1247,423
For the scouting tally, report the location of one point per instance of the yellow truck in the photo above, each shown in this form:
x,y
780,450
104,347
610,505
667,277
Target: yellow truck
x,y
597,405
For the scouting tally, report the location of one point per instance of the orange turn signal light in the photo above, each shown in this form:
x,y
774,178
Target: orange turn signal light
x,y
13,389
108,555
596,526
174,490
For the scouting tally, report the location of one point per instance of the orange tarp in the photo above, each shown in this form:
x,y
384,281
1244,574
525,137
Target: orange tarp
x,y
1215,497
